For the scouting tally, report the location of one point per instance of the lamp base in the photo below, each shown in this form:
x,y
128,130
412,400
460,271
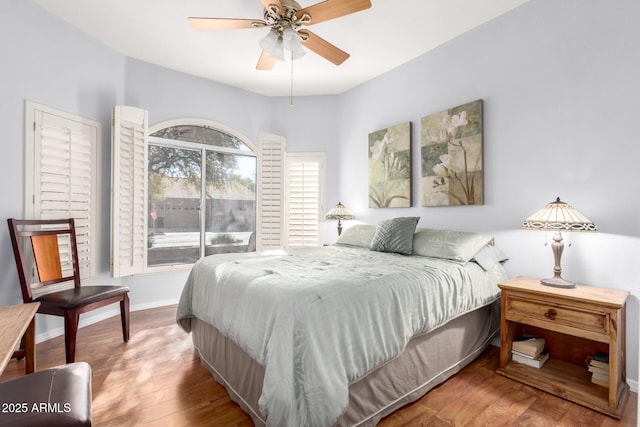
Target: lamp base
x,y
558,282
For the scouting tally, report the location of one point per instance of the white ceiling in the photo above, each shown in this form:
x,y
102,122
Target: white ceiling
x,y
383,37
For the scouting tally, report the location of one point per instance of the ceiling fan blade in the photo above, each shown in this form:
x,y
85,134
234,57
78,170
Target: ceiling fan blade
x,y
266,3
331,9
265,62
323,48
224,23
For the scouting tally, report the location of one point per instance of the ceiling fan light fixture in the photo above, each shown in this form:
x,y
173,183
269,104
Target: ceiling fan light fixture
x,y
285,19
272,44
298,52
290,39
292,42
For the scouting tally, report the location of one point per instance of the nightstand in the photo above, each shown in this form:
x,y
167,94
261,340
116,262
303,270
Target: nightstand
x,y
575,323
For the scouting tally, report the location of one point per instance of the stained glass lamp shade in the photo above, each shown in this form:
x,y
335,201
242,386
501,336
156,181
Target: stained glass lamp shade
x,y
339,212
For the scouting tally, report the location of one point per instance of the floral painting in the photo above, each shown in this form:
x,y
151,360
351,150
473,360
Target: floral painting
x,y
451,154
390,167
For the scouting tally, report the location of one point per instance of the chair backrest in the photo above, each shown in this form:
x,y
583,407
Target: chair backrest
x,y
37,247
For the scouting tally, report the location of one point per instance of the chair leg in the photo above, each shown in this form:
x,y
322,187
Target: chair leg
x,y
71,318
124,316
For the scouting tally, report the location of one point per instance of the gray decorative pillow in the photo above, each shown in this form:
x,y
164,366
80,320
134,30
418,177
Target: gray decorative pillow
x,y
458,246
359,235
395,235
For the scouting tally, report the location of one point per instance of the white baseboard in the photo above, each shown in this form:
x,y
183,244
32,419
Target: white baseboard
x,y
99,315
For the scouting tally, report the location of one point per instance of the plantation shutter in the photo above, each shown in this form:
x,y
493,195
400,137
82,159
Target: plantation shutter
x,y
128,186
305,177
271,185
62,179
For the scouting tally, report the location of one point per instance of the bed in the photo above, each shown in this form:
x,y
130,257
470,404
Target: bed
x,y
345,334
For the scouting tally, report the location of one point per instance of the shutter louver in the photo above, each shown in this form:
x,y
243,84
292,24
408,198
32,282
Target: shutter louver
x,y
271,184
304,200
129,220
66,184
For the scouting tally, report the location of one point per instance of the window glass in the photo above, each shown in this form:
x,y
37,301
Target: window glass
x,y
189,218
230,202
174,183
201,135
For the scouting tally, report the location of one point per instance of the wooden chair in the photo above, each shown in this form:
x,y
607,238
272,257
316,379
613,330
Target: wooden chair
x,y
36,245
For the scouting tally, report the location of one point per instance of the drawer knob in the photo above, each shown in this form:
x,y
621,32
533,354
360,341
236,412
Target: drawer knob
x,y
551,314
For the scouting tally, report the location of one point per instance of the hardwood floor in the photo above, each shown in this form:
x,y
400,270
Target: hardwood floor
x,y
155,380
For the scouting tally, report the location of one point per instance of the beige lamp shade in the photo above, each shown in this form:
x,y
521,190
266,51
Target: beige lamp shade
x,y
558,216
339,212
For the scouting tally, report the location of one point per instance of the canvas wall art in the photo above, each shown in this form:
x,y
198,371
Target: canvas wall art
x,y
390,167
451,156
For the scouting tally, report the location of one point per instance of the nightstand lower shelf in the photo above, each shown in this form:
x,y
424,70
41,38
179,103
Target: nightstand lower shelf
x,y
569,381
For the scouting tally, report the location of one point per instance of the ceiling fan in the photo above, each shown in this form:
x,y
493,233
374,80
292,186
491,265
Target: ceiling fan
x,y
286,19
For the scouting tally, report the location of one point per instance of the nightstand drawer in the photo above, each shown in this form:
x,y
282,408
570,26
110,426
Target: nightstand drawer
x,y
555,313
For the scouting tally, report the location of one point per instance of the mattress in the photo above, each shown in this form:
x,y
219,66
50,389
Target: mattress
x,y
319,319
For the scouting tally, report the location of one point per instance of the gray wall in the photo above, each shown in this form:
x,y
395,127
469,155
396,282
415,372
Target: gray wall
x,y
561,105
560,90
559,82
48,62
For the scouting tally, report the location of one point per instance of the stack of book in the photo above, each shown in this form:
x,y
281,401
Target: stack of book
x,y
598,365
529,351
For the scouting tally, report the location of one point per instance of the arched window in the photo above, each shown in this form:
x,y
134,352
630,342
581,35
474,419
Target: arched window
x,y
187,188
201,187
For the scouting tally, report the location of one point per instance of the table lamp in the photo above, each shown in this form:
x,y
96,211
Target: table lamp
x,y
339,212
558,216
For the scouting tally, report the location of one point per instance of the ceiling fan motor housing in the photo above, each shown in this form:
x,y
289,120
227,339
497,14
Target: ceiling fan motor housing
x,y
279,20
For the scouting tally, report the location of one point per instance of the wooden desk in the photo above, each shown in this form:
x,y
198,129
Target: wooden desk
x,y
16,321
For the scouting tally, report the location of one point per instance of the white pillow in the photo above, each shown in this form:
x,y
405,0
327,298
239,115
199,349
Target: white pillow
x,y
460,246
359,235
489,256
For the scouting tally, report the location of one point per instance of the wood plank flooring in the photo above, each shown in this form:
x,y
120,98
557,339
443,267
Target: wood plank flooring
x,y
155,380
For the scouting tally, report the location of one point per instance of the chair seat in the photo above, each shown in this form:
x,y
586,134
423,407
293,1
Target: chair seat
x,y
57,397
76,297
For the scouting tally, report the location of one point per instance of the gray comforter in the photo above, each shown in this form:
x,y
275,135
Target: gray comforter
x,y
317,319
